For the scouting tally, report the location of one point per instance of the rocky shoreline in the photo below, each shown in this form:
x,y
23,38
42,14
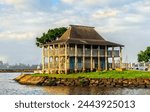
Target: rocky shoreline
x,y
29,79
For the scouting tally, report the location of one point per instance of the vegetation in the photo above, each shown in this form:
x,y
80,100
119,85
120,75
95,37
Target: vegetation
x,y
102,74
144,55
50,36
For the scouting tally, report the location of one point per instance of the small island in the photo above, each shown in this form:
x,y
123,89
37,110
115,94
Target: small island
x,y
127,78
82,57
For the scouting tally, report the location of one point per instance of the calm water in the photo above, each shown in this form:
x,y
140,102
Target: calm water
x,y
9,87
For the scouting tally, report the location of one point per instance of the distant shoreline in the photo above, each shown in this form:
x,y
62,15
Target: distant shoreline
x,y
16,70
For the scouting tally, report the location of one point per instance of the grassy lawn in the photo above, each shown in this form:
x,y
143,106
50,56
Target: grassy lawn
x,y
102,74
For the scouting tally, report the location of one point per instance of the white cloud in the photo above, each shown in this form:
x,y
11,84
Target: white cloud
x,y
3,58
17,36
105,13
18,4
14,2
68,1
86,2
134,18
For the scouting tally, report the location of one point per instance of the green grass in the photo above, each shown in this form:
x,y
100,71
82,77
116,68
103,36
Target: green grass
x,y
127,74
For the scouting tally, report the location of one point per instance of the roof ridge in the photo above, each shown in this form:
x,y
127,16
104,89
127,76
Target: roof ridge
x,y
81,26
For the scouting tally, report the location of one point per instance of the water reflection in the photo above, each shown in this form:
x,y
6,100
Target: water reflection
x,y
10,87
63,90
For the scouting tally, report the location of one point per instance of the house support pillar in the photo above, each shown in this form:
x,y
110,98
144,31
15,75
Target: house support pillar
x,y
66,71
43,59
76,58
99,63
53,65
120,57
91,58
83,59
59,59
113,58
106,58
48,59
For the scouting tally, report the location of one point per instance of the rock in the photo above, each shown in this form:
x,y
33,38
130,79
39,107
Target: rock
x,y
92,81
125,82
141,86
84,82
20,77
101,85
147,81
125,85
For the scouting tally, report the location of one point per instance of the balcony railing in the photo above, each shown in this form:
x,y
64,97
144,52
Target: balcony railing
x,y
102,52
80,52
116,53
71,52
95,52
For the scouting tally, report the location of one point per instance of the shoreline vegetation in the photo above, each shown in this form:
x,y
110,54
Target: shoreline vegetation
x,y
127,78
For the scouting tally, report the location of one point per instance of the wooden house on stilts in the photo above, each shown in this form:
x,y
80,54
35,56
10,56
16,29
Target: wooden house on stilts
x,y
80,48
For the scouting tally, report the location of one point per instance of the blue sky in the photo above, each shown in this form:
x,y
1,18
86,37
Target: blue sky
x,y
21,21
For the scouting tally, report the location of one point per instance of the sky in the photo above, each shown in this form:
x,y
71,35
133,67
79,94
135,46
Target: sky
x,y
123,21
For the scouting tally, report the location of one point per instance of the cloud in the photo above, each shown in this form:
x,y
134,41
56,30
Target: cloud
x,y
105,13
17,35
18,4
3,58
14,2
68,1
86,2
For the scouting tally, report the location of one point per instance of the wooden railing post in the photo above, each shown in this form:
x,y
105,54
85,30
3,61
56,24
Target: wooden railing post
x,y
120,57
76,60
99,61
106,58
48,59
91,58
65,58
83,58
113,58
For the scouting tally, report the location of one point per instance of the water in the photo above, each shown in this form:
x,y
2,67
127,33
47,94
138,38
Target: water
x,y
10,87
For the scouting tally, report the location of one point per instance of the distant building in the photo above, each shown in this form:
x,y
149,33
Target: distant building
x,y
80,48
1,62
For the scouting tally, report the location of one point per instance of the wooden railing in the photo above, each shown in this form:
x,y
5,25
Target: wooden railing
x,y
116,53
71,52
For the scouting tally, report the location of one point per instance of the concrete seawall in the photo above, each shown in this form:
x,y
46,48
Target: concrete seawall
x,y
104,82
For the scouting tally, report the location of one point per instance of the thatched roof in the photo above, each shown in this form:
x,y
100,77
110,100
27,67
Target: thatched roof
x,y
83,35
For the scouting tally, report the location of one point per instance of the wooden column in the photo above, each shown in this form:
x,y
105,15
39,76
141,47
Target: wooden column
x,y
53,65
113,58
48,59
83,58
76,58
65,58
59,59
106,58
91,58
99,60
43,59
68,56
120,57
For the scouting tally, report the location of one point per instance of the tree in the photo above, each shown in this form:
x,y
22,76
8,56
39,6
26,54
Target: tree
x,y
144,55
50,36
